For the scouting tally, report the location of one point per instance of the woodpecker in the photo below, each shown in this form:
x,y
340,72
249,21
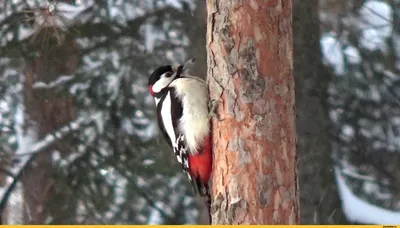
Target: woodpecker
x,y
183,118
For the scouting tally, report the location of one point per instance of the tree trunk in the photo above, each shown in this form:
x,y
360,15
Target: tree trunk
x,y
3,181
318,196
250,74
46,110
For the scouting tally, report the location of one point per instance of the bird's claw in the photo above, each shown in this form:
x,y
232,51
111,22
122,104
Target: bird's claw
x,y
212,106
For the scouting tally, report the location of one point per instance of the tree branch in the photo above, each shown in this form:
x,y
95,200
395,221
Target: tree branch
x,y
8,173
112,31
29,156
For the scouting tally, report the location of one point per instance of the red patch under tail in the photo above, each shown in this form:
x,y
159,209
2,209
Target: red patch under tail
x,y
201,164
200,167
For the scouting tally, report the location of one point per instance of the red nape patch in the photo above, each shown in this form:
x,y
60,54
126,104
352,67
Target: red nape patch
x,y
151,90
201,164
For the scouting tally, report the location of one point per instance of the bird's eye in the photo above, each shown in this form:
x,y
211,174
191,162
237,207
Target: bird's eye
x,y
168,74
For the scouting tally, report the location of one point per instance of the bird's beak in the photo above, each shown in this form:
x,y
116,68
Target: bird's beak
x,y
190,61
182,68
175,67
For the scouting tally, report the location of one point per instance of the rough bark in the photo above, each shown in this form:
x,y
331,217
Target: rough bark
x,y
318,195
250,73
45,110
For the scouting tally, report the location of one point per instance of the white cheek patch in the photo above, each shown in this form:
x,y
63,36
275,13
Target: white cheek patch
x,y
162,83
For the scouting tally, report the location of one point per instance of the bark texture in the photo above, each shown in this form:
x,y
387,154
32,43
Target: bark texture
x,y
250,73
319,199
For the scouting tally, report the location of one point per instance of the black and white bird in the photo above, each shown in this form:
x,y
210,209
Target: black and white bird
x,y
183,118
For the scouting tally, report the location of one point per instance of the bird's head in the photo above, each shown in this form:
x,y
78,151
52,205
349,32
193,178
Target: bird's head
x,y
160,79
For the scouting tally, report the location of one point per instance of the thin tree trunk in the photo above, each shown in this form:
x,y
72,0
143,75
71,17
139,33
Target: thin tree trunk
x,y
46,110
250,74
318,196
3,181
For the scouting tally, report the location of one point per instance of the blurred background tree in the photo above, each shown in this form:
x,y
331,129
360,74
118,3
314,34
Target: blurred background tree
x,y
319,201
360,42
78,140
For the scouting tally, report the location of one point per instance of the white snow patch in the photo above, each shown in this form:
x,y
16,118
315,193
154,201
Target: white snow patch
x,y
56,156
371,39
78,87
155,217
174,3
127,126
26,140
375,93
376,24
332,52
98,119
357,210
348,132
334,114
2,191
71,11
148,162
60,80
370,187
24,33
103,172
15,206
352,55
141,182
150,37
113,84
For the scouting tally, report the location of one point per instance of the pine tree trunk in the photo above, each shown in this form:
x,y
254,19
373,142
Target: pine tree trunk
x,y
250,74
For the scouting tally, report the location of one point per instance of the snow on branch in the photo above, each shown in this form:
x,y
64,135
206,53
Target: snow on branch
x,y
60,80
355,175
360,211
28,155
376,24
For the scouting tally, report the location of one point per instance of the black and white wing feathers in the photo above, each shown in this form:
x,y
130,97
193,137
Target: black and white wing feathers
x,y
169,112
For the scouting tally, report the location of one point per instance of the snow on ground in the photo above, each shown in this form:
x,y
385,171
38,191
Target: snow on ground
x,y
357,210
